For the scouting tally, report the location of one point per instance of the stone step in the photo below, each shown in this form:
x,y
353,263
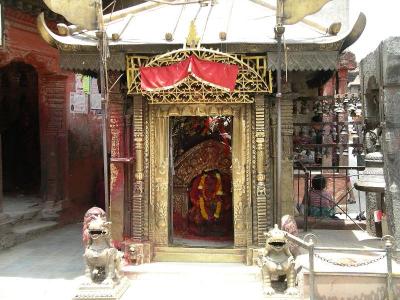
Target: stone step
x,y
192,271
197,281
23,216
31,230
206,255
330,224
196,291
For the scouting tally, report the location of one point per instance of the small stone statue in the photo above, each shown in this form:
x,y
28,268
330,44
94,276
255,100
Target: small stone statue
x,y
104,278
103,262
277,260
136,254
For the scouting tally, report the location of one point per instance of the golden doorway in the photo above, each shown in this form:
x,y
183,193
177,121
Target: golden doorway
x,y
232,171
201,195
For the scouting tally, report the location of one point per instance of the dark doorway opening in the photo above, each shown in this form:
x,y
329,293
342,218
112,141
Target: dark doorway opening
x,y
19,128
201,187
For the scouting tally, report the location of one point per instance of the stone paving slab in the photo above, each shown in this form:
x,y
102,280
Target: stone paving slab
x,y
51,266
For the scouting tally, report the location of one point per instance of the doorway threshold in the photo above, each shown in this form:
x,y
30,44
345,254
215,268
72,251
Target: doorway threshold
x,y
201,254
200,243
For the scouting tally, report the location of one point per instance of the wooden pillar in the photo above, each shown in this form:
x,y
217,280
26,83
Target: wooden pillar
x,y
53,90
286,185
117,164
342,81
1,180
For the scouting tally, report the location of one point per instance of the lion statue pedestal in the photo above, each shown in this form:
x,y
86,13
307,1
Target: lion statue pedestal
x,y
103,275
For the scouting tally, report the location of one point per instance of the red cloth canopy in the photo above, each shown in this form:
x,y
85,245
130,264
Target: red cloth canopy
x,y
220,75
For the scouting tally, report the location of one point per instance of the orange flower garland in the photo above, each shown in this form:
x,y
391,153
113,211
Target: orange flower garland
x,y
219,192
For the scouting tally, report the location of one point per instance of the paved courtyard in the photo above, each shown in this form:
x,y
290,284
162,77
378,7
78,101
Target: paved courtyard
x,y
51,266
44,268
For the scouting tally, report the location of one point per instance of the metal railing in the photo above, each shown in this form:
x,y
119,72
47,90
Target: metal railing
x,y
309,241
339,186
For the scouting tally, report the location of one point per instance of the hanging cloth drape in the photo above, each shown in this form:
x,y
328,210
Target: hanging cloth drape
x,y
219,75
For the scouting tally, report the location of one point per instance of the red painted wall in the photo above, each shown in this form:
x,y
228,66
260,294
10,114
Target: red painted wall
x,y
71,160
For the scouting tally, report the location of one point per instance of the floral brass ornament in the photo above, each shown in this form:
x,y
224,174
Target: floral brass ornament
x,y
253,77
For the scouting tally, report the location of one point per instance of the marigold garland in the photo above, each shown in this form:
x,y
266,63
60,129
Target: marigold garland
x,y
218,192
203,209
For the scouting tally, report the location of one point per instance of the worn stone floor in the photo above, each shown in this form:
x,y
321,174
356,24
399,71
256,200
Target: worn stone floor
x,y
43,268
19,204
51,267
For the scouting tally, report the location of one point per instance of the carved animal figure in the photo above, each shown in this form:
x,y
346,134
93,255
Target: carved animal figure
x,y
103,262
90,215
136,254
277,260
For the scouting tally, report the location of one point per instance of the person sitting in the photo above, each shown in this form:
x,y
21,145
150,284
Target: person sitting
x,y
321,202
317,126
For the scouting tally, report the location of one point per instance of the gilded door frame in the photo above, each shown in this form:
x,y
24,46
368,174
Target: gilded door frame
x,y
159,210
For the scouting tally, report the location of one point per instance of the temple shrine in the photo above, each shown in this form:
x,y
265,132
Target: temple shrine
x,y
192,119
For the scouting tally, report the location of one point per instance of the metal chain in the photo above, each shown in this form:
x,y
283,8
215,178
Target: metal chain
x,y
363,263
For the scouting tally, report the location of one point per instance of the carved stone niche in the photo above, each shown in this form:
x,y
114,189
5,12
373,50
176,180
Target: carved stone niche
x,y
372,104
208,155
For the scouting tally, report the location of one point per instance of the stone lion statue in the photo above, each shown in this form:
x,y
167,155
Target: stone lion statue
x,y
103,262
90,215
276,260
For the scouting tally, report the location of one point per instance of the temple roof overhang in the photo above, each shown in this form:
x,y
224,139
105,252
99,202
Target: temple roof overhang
x,y
245,26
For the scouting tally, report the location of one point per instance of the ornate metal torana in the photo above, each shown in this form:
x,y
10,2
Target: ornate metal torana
x,y
254,77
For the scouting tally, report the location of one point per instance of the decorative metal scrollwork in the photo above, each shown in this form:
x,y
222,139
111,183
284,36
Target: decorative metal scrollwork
x,y
254,77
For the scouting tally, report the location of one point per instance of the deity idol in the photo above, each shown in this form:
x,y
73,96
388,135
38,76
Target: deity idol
x,y
211,201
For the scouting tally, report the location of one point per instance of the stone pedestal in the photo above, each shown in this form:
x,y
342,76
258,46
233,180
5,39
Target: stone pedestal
x,y
102,291
373,183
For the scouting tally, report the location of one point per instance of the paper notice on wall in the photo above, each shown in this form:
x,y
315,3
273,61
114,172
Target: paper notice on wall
x,y
86,84
78,103
95,101
78,83
94,85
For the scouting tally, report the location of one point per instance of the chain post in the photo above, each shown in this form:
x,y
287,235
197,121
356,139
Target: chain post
x,y
310,239
306,200
389,245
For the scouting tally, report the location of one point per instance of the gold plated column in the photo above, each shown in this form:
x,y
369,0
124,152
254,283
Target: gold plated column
x,y
159,148
138,185
261,200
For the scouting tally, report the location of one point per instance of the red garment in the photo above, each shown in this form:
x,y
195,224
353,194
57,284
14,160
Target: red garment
x,y
321,199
